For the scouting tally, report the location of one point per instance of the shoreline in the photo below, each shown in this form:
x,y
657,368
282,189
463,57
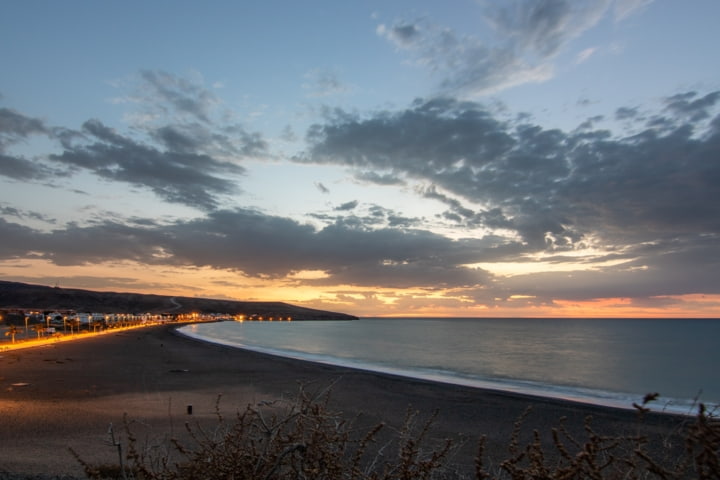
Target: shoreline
x,y
68,394
583,395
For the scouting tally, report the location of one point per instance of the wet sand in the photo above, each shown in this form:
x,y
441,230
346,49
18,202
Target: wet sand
x,y
68,394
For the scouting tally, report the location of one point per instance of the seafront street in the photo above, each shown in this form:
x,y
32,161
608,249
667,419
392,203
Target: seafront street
x,y
27,340
25,328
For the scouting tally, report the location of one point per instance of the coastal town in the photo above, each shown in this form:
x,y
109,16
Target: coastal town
x,y
23,327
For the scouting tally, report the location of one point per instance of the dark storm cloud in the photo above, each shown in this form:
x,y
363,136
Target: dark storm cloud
x,y
180,176
529,34
557,190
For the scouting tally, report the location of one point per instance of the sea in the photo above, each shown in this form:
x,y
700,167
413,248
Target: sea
x,y
609,362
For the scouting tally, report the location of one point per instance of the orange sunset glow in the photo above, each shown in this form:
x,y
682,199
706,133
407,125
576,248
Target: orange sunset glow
x,y
413,159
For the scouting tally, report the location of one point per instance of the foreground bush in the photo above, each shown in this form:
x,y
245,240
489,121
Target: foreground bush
x,y
695,456
305,439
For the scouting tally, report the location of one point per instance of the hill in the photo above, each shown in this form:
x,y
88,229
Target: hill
x,y
15,295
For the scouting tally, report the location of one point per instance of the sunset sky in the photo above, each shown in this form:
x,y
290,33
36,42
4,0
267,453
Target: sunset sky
x,y
460,158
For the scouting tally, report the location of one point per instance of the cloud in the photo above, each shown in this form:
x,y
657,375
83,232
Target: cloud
x,y
258,245
554,189
585,55
19,168
402,34
324,83
674,269
185,97
626,8
321,188
639,210
526,37
626,113
374,177
645,204
22,214
178,176
543,27
347,206
695,109
368,218
272,247
194,162
16,128
227,141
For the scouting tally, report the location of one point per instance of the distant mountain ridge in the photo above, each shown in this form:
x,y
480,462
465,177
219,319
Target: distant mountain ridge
x,y
15,295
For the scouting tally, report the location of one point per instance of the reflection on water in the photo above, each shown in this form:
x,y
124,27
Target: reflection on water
x,y
637,356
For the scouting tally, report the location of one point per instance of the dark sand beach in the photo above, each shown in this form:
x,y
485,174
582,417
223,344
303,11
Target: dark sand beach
x,y
68,394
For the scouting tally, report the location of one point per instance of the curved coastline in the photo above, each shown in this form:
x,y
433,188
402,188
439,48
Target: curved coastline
x,y
586,396
67,394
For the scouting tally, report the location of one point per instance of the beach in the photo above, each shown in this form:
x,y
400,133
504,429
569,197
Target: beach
x,y
68,394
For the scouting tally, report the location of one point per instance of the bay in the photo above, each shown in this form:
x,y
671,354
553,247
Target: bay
x,y
612,362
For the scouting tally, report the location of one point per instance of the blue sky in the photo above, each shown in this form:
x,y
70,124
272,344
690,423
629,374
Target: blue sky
x,y
470,158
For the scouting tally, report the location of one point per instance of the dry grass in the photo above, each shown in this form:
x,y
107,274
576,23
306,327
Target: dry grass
x,y
305,439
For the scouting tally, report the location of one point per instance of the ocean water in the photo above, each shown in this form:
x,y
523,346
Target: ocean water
x,y
611,362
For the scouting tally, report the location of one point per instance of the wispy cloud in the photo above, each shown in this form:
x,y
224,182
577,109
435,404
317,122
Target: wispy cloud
x,y
324,83
525,38
585,55
626,8
321,188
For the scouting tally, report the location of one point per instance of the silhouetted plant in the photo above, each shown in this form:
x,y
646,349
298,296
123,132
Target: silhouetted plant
x,y
305,439
302,439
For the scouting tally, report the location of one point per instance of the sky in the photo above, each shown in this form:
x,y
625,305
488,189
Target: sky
x,y
472,158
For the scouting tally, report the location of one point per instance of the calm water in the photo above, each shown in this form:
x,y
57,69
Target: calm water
x,y
603,361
